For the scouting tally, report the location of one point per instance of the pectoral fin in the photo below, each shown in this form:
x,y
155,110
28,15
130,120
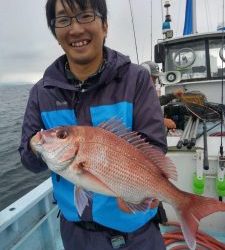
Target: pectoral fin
x,y
133,208
82,199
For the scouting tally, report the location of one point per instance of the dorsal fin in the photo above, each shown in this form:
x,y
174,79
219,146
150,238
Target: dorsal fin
x,y
116,126
152,153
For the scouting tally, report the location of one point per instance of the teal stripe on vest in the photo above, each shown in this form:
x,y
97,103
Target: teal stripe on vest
x,y
121,110
64,195
105,209
57,118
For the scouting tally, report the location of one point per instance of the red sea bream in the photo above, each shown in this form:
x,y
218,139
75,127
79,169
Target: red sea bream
x,y
112,161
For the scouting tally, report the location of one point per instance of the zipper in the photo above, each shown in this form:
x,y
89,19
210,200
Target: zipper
x,y
81,83
77,98
75,103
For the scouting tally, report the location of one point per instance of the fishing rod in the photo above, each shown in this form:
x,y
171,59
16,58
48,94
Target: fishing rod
x,y
196,103
222,84
193,134
221,158
181,141
135,40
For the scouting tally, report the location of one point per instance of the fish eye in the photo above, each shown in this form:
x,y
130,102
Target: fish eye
x,y
61,134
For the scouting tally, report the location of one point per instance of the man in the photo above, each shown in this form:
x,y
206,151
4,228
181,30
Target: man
x,y
88,85
153,70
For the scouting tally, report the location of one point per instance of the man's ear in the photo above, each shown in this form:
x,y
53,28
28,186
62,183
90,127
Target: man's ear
x,y
105,28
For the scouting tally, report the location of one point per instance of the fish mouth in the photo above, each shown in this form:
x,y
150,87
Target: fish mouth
x,y
37,142
58,157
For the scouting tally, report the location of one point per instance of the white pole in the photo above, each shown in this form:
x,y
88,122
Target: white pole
x,y
151,31
194,17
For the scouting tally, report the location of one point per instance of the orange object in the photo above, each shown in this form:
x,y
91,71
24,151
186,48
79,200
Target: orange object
x,y
204,241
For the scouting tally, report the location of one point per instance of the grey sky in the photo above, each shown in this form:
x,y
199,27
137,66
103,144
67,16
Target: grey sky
x,y
27,47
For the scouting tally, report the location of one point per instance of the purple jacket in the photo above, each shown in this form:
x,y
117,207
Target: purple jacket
x,y
121,89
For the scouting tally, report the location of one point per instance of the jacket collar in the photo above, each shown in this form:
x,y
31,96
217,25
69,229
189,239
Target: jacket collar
x,y
114,67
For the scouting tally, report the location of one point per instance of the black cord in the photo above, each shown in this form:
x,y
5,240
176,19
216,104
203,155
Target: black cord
x,y
222,116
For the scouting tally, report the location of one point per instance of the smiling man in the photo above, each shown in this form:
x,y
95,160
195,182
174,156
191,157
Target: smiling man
x,y
88,85
80,30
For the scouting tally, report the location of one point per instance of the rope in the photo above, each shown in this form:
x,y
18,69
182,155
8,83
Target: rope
x,y
203,240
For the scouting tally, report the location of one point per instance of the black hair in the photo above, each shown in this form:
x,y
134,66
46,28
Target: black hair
x,y
96,5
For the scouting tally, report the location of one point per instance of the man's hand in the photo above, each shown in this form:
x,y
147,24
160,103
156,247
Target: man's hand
x,y
154,203
178,93
170,124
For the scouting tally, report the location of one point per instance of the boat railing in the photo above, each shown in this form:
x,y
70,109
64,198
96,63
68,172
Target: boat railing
x,y
31,222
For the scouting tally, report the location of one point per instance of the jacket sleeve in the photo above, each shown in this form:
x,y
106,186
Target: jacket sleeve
x,y
165,99
148,116
31,125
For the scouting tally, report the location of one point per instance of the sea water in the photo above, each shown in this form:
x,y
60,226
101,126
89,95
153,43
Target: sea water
x,y
15,180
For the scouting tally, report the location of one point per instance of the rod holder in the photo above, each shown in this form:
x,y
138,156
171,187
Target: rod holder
x,y
198,182
206,158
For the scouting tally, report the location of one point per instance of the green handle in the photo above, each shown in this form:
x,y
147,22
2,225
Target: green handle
x,y
198,185
220,187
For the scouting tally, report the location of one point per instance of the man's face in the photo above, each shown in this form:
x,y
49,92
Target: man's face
x,y
82,43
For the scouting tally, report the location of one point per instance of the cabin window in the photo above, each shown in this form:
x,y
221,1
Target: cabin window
x,y
188,58
217,58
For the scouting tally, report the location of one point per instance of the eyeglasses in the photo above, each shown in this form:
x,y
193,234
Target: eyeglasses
x,y
83,17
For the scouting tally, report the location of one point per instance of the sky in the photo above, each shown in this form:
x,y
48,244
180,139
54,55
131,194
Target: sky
x,y
27,47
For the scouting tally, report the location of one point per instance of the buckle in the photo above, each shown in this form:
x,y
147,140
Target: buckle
x,y
118,241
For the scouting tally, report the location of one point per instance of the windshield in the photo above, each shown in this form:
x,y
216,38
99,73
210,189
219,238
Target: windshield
x,y
188,58
216,54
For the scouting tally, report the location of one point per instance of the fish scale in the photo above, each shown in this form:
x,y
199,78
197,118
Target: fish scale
x,y
115,180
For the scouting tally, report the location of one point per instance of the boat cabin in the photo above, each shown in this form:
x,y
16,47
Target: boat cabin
x,y
196,62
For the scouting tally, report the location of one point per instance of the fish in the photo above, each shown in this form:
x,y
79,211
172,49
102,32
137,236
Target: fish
x,y
113,161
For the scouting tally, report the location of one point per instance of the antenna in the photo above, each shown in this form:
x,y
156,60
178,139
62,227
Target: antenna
x,y
151,30
166,29
162,10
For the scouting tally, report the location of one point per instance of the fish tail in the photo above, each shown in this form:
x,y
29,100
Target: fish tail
x,y
191,210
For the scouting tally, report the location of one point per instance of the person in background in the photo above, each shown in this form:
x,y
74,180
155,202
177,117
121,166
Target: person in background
x,y
153,70
88,85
